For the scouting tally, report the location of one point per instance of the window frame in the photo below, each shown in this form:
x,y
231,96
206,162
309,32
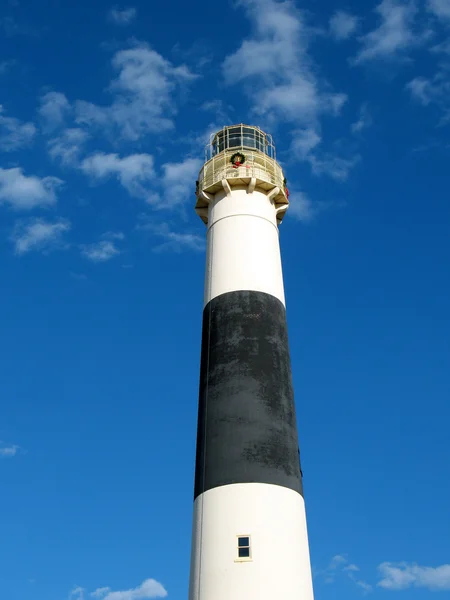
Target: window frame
x,y
238,546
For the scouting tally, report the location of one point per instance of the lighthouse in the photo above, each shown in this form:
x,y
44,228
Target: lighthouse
x,y
249,537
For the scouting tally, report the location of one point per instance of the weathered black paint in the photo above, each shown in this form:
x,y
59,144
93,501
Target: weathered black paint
x,y
247,428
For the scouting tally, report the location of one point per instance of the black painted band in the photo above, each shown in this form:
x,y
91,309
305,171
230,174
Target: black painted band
x,y
247,430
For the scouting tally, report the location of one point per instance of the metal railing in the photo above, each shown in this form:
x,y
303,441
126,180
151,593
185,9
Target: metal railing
x,y
256,164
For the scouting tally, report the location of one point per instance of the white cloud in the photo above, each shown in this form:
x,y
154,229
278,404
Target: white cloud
x,y
442,47
304,141
148,589
301,207
77,594
401,576
394,35
364,121
14,134
5,66
53,110
351,567
340,564
25,192
440,8
366,587
283,82
144,95
181,241
336,167
298,100
8,451
343,25
276,64
172,240
337,562
421,89
135,172
114,235
122,17
137,175
39,235
100,592
67,146
433,91
306,146
178,181
101,251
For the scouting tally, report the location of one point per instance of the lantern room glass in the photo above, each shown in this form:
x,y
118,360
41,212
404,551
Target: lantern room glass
x,y
240,136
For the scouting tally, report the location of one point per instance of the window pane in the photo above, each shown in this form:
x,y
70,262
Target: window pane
x,y
244,552
236,137
219,143
243,541
249,142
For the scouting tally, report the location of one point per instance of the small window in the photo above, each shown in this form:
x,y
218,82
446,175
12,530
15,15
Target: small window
x,y
244,547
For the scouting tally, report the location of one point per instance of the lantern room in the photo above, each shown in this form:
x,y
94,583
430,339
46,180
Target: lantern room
x,y
241,156
240,136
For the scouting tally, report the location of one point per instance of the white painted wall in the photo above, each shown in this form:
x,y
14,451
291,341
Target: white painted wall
x,y
275,519
243,250
243,253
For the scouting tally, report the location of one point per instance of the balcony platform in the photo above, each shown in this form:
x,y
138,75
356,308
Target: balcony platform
x,y
264,170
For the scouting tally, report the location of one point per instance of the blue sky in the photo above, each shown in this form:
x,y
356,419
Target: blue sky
x,y
105,112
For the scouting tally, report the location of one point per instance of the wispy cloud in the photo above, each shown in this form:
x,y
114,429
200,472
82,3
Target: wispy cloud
x,y
340,564
24,192
284,85
441,8
77,593
435,90
301,207
143,95
363,122
122,17
9,26
144,98
441,47
100,592
343,25
8,451
274,61
68,146
135,172
53,110
177,181
307,146
395,34
114,235
402,576
14,134
100,251
331,164
6,65
172,240
304,141
337,563
39,235
148,589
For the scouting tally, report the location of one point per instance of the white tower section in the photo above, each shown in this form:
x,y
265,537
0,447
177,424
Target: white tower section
x,y
250,538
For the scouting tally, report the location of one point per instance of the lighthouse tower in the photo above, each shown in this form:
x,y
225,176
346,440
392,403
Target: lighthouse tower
x,y
250,537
